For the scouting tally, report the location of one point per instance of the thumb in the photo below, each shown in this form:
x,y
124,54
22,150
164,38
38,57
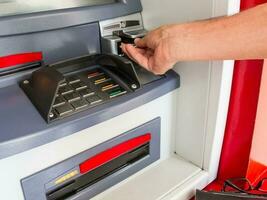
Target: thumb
x,y
141,43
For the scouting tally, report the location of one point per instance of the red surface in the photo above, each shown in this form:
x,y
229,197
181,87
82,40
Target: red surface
x,y
245,4
241,119
19,59
113,153
256,171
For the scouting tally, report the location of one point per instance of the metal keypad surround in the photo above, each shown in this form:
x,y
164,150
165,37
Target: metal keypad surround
x,y
83,90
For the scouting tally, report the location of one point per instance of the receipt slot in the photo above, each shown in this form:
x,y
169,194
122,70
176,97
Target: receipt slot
x,y
94,170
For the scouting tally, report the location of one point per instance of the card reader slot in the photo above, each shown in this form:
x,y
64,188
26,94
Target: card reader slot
x,y
100,173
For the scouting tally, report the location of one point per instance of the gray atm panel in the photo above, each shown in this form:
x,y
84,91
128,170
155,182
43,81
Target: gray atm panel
x,y
50,20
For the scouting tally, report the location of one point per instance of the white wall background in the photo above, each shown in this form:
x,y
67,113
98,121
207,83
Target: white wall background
x,y
198,84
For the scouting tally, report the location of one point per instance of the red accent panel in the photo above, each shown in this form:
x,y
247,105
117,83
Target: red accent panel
x,y
241,119
245,4
114,152
19,59
242,113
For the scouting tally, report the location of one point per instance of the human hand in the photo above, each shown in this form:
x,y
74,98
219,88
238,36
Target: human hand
x,y
155,52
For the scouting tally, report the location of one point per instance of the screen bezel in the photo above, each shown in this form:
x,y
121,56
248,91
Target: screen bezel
x,y
17,7
58,19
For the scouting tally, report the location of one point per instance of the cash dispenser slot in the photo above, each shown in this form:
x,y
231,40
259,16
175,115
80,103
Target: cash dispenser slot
x,y
103,165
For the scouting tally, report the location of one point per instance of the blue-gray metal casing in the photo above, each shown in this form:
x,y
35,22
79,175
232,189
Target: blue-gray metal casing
x,y
34,186
23,128
60,35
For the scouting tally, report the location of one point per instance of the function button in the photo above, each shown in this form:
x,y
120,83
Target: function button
x,y
94,99
108,86
63,84
72,96
73,79
86,92
117,92
65,90
59,101
79,86
64,109
101,79
95,74
79,104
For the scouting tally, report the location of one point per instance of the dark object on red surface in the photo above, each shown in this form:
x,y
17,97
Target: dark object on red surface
x,y
243,185
202,195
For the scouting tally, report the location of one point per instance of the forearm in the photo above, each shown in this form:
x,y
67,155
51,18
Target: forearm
x,y
242,36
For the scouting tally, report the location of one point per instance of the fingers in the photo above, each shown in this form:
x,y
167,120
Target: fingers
x,y
147,58
123,47
139,55
141,43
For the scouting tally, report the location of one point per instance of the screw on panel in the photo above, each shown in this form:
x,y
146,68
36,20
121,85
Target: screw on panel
x,y
134,86
26,82
51,115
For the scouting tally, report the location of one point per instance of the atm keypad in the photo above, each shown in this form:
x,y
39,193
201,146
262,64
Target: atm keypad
x,y
84,90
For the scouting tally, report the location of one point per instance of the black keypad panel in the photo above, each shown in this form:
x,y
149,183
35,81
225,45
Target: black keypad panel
x,y
84,90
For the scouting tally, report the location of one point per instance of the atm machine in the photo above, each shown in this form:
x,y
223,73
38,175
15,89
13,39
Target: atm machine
x,y
80,120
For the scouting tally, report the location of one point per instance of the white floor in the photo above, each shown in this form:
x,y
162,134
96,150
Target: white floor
x,y
157,182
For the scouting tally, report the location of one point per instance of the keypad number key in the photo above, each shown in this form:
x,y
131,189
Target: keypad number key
x,y
72,96
94,99
80,104
64,109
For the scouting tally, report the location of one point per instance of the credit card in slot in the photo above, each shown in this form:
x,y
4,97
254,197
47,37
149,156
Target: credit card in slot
x,y
109,85
101,79
116,92
95,74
